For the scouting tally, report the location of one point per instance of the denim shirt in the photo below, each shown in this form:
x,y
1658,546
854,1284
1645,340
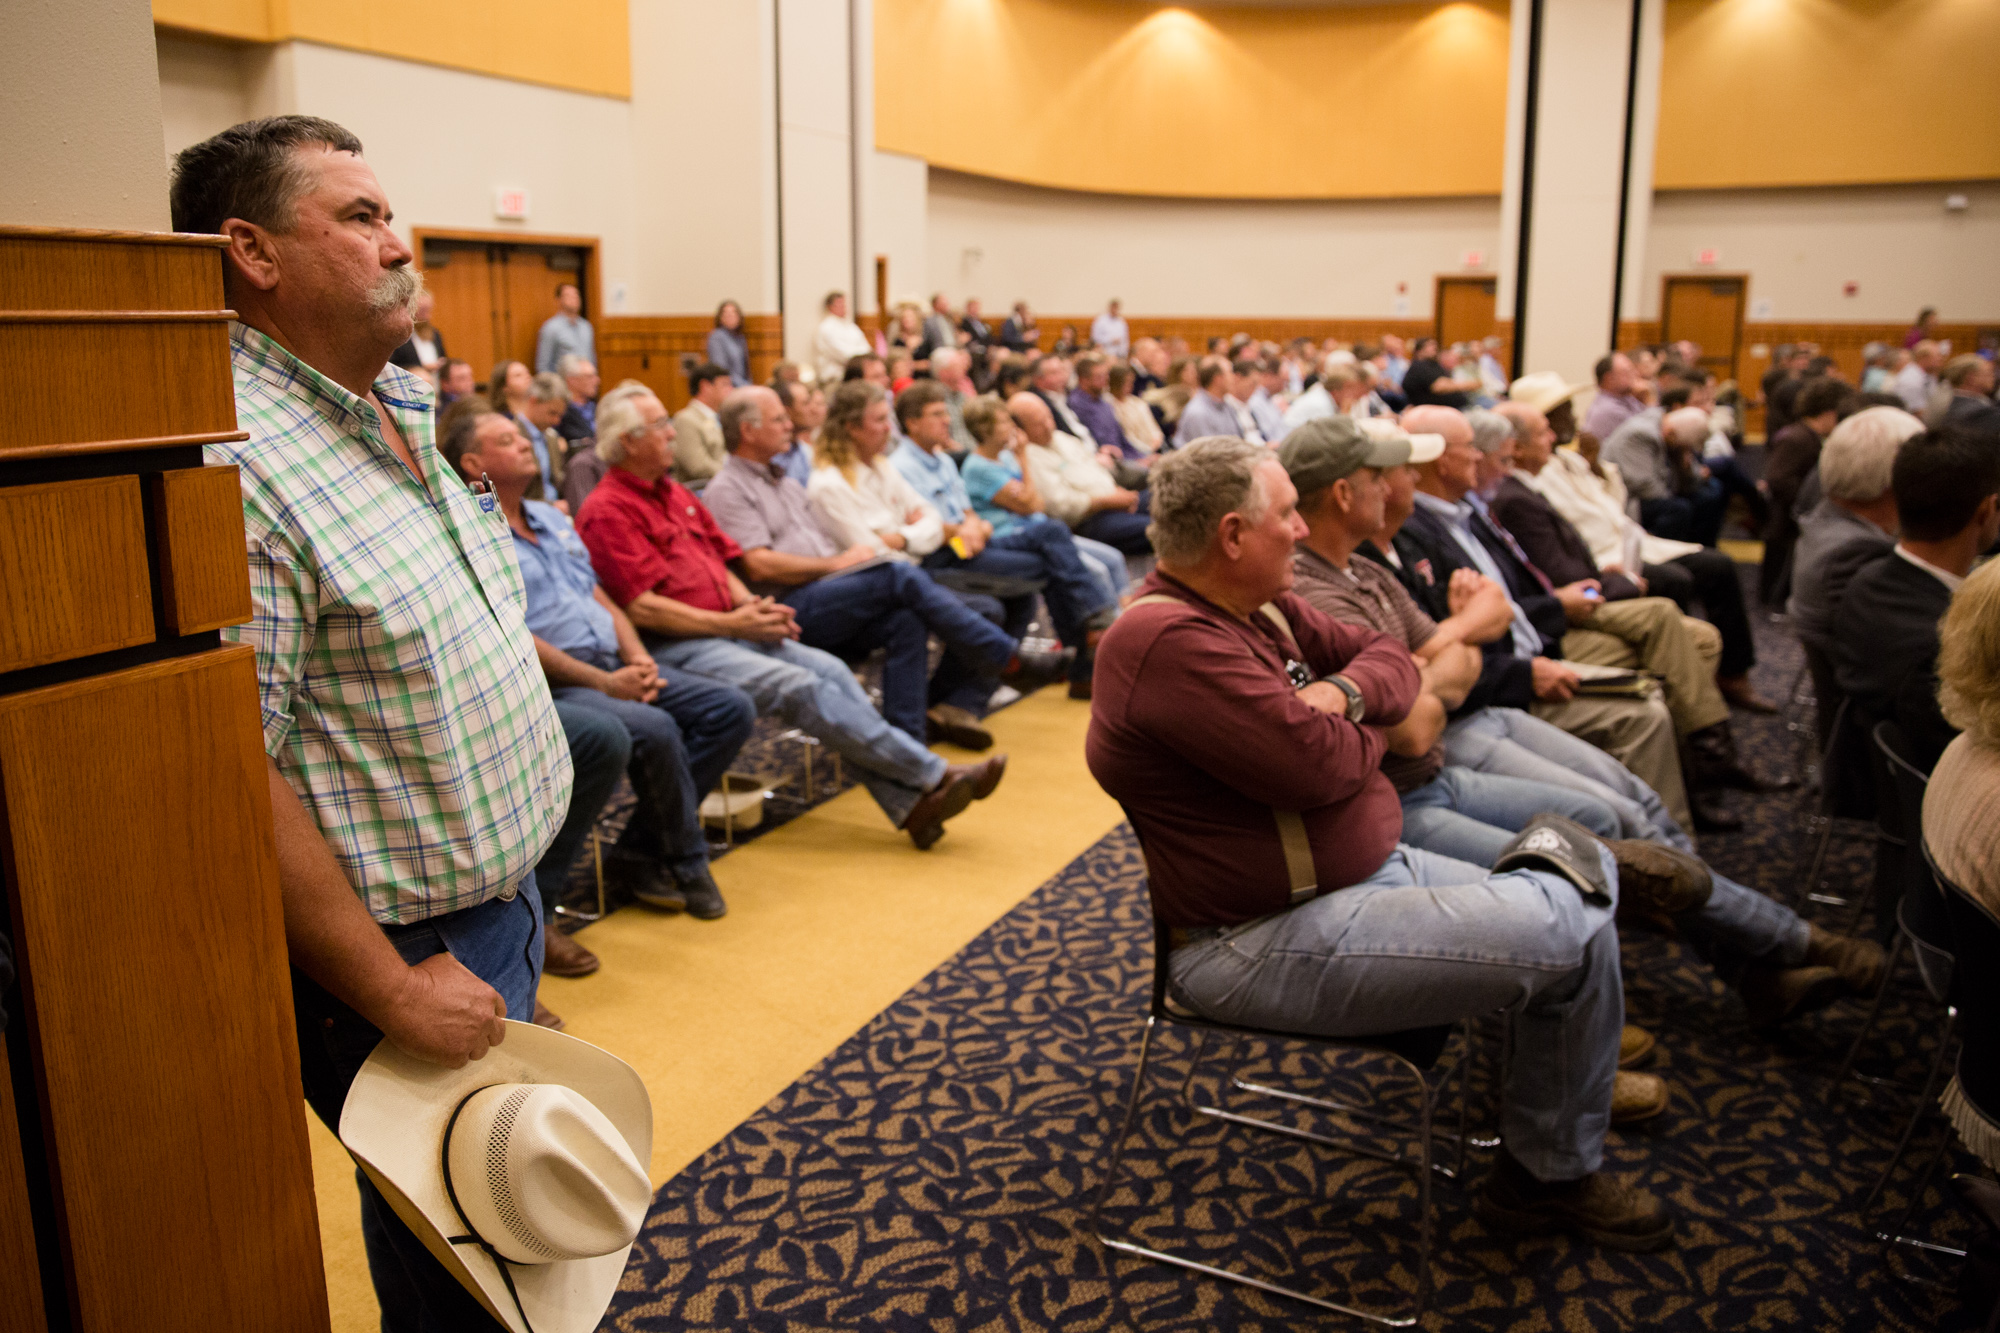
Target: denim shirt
x,y
935,477
557,575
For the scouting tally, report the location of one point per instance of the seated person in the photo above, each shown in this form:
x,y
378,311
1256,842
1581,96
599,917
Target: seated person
x,y
805,408
1341,386
887,602
663,560
1433,379
599,750
997,483
1644,625
1853,523
1660,460
579,418
1208,410
1789,460
1446,531
1246,748
1591,503
1090,403
1885,631
1473,812
1971,407
1074,483
1962,824
1042,552
1135,416
683,732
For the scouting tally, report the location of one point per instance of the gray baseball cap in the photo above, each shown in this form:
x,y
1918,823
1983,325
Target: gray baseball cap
x,y
1324,450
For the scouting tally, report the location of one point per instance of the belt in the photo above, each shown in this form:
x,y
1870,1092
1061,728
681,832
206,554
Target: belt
x,y
1179,937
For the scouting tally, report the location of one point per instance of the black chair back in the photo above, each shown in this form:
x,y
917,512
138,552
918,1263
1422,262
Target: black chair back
x,y
1975,934
1904,882
1846,790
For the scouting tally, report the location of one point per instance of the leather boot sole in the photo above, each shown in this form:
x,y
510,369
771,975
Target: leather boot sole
x,y
925,824
1636,1097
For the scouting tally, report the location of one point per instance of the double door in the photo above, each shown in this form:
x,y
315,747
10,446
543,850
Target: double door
x,y
493,295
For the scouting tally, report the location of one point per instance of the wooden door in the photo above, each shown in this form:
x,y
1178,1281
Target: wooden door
x,y
494,290
1464,310
1707,310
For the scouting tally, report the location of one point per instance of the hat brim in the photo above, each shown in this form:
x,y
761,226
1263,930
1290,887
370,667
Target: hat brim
x,y
1425,448
393,1123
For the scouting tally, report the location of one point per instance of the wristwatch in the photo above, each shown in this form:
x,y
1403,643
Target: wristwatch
x,y
1357,707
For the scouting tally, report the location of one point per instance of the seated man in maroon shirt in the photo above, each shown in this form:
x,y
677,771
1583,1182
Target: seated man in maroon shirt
x,y
1243,732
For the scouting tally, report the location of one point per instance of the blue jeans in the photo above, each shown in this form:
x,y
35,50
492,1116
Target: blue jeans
x,y
817,693
500,942
1511,743
1695,517
680,744
897,607
1043,551
1108,564
1116,528
1426,940
1471,816
599,749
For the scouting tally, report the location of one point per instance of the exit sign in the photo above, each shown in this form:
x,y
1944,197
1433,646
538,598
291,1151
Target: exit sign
x,y
511,205
1473,259
1706,258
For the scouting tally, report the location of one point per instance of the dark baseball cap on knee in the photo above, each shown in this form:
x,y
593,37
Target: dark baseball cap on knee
x,y
1324,450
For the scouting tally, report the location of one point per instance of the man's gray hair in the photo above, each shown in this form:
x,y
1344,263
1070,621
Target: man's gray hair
x,y
1860,453
742,407
1195,486
570,362
618,416
252,171
548,388
1490,430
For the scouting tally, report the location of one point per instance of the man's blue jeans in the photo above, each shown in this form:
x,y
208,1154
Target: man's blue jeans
x,y
1471,816
1695,517
1512,743
817,693
599,749
500,942
1427,940
1116,528
680,745
1044,551
1108,564
896,606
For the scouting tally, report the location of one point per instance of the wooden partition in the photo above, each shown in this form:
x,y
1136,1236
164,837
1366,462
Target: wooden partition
x,y
154,1167
650,349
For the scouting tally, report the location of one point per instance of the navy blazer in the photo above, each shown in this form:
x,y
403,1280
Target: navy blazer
x,y
1885,650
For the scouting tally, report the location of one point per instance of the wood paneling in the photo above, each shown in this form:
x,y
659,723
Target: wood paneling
x,y
21,1289
152,950
494,290
73,571
1707,310
1198,329
649,348
111,340
198,521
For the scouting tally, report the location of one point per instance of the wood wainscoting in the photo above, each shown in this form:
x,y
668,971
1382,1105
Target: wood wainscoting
x,y
154,1166
1198,329
651,349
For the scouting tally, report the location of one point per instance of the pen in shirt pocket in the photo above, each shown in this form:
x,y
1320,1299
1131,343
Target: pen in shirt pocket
x,y
483,488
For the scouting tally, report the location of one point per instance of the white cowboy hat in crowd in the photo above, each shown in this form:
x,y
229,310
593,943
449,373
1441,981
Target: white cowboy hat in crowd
x,y
1543,390
524,1172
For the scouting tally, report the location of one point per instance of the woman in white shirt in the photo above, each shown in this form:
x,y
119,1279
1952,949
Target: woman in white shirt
x,y
859,498
1135,418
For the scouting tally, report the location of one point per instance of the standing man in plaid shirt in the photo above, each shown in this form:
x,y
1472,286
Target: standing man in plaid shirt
x,y
417,767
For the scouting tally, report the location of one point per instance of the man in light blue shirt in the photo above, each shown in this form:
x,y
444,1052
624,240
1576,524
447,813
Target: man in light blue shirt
x,y
684,731
1111,334
1208,412
565,333
1269,377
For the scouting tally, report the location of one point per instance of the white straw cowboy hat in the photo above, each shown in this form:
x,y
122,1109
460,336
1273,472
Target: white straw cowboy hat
x,y
524,1172
1543,390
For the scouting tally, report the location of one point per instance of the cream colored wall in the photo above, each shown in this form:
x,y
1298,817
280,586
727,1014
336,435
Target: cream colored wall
x,y
818,168
80,106
674,183
1065,251
899,223
1799,246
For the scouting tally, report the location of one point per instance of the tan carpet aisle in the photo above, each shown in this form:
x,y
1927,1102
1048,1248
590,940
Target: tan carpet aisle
x,y
831,918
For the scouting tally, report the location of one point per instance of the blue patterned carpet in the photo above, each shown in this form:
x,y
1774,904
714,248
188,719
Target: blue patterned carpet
x,y
931,1174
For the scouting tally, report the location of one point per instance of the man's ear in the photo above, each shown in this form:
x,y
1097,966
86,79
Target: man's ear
x,y
251,254
1229,535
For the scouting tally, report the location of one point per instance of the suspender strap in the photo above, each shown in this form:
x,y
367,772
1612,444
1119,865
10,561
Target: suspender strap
x,y
1291,828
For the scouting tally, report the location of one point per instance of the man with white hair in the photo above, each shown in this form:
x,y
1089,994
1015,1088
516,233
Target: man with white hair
x,y
1855,520
1075,485
950,367
579,418
1243,731
1661,463
664,560
1915,382
1342,386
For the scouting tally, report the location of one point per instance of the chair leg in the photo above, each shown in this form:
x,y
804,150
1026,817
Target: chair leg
x,y
1874,1013
1124,1132
1894,1235
1923,1105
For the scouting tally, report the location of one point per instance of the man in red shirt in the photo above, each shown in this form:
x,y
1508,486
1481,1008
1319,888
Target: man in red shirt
x,y
660,555
1243,731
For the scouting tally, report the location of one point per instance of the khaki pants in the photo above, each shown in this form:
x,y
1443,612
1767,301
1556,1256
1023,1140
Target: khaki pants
x,y
1638,733
1651,633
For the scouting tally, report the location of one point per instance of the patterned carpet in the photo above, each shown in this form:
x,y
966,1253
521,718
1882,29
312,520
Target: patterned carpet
x,y
932,1173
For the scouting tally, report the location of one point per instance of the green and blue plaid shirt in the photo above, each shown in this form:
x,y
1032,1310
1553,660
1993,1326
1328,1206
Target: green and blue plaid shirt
x,y
401,695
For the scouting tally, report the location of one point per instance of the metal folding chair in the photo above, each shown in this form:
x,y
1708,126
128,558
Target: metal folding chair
x,y
1416,1052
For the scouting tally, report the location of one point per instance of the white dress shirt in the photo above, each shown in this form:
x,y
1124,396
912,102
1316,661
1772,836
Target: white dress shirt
x,y
1944,576
858,512
834,344
1069,477
1595,507
1111,335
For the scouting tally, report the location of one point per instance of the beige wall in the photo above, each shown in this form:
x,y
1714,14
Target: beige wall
x,y
1065,251
818,166
1897,242
80,107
